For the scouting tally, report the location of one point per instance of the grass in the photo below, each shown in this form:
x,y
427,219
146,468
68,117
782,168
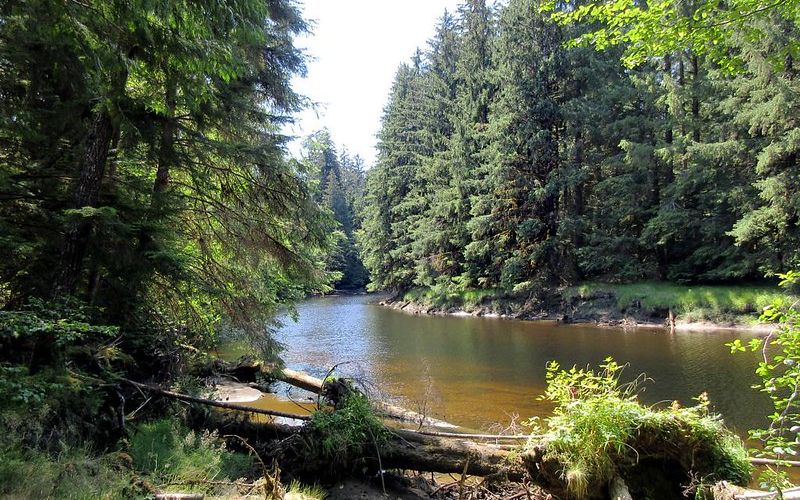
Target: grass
x,y
598,428
689,303
71,474
168,452
162,454
300,491
441,297
338,436
714,303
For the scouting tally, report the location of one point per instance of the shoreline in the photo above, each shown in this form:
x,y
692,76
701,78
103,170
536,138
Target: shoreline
x,y
604,317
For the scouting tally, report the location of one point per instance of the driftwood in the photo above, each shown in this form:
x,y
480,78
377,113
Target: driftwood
x,y
725,491
488,437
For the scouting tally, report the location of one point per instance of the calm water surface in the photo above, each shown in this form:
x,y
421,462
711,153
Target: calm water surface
x,y
477,372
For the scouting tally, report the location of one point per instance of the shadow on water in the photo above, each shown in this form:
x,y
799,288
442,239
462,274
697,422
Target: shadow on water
x,y
479,371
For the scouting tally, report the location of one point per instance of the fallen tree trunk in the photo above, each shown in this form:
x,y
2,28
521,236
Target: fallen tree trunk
x,y
416,451
212,402
725,491
316,385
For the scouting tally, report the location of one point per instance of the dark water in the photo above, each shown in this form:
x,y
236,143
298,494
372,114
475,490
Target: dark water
x,y
477,372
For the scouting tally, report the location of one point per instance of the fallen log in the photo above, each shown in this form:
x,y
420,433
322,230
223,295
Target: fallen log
x,y
488,437
725,491
772,461
316,385
211,402
415,451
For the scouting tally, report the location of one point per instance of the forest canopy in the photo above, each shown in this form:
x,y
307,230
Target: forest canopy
x,y
143,171
512,155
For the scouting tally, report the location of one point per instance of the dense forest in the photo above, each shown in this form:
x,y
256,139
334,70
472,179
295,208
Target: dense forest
x,y
150,212
339,186
511,157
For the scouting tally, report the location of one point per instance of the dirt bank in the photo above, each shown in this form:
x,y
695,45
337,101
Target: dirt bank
x,y
598,308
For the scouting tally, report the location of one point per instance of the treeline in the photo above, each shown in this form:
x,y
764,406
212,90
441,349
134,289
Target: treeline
x,y
510,158
144,180
339,182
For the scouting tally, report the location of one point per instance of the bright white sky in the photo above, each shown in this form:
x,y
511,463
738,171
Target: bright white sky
x,y
356,48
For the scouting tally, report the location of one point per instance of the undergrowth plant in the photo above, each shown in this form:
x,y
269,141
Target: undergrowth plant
x,y
599,426
350,431
779,370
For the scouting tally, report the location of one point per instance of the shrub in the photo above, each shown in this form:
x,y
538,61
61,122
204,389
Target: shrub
x,y
779,370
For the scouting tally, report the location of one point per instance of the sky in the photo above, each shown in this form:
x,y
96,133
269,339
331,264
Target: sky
x,y
356,47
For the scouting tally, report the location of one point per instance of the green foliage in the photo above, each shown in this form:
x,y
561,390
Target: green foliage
x,y
598,426
441,296
692,303
72,474
779,371
339,190
664,26
167,452
158,454
510,158
56,366
148,175
351,430
302,491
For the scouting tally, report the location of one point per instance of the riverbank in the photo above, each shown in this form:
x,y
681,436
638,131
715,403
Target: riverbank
x,y
647,304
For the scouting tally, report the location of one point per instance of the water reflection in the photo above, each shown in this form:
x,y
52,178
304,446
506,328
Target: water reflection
x,y
479,371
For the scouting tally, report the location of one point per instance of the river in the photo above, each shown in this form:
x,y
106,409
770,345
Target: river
x,y
482,373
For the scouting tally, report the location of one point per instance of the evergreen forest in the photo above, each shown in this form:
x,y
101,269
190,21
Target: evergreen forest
x,y
514,157
157,230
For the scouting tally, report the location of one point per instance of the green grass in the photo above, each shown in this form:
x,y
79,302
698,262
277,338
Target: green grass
x,y
715,303
440,297
72,474
167,452
689,303
163,453
599,427
300,491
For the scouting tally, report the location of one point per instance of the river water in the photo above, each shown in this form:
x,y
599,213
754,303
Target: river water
x,y
483,372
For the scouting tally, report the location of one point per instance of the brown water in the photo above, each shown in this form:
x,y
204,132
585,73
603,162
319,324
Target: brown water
x,y
479,372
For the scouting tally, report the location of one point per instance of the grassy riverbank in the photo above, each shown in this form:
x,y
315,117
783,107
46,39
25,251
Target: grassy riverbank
x,y
645,302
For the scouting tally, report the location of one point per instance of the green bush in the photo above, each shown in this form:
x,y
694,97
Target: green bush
x,y
779,370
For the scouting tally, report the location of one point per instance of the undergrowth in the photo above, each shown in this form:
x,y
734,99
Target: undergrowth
x,y
598,427
690,303
442,297
162,455
348,432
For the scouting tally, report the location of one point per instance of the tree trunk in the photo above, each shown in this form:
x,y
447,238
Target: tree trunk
x,y
166,150
695,99
87,190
